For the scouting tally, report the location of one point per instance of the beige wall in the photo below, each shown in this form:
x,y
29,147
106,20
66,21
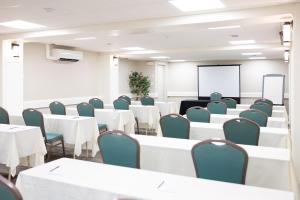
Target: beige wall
x,y
47,79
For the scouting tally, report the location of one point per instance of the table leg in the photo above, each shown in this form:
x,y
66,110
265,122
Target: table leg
x,y
28,161
9,174
87,151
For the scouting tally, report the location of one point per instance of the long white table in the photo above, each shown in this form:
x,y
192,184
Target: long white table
x,y
165,108
114,119
267,167
145,114
247,106
69,179
275,122
18,142
269,136
76,130
237,111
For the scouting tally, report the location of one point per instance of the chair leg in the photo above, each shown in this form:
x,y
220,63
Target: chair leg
x,y
63,147
9,174
48,153
87,151
28,161
137,125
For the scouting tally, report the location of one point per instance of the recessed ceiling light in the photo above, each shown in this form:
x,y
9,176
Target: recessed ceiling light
x,y
237,42
20,24
133,48
224,27
160,57
86,38
142,52
257,58
195,5
177,60
252,54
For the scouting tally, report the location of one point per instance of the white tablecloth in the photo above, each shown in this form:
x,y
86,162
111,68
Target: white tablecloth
x,y
165,108
270,137
267,167
275,122
82,180
76,130
237,111
114,119
247,106
145,114
18,142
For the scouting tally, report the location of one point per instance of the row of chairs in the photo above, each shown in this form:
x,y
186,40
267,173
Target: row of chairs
x,y
240,130
219,160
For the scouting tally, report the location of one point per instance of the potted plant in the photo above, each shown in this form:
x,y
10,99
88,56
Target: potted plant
x,y
139,84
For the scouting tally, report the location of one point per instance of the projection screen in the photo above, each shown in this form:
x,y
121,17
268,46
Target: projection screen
x,y
224,79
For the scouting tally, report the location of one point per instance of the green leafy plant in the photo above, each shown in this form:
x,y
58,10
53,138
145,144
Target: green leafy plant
x,y
139,84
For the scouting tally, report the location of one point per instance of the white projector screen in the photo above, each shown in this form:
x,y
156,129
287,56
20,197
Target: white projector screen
x,y
273,88
224,79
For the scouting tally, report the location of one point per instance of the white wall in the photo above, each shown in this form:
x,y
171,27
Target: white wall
x,y
182,77
47,79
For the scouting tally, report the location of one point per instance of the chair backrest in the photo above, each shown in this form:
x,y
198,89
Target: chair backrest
x,y
268,101
217,107
117,148
257,116
242,131
230,103
8,191
96,103
121,104
175,126
198,114
147,101
127,98
85,109
215,96
220,160
264,107
57,108
4,117
33,117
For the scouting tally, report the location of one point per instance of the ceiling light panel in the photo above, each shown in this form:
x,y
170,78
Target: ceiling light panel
x,y
196,5
257,58
224,27
241,42
252,54
20,24
133,48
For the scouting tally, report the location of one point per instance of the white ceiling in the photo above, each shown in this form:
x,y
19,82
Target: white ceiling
x,y
189,42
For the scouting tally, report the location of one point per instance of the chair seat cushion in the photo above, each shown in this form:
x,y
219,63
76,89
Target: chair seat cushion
x,y
102,126
53,137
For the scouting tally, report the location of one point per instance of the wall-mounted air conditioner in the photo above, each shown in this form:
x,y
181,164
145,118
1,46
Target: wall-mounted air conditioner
x,y
60,54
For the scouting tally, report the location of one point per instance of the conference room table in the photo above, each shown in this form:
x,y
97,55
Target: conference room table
x,y
114,119
21,145
75,130
165,108
267,167
60,179
269,136
145,114
247,106
237,111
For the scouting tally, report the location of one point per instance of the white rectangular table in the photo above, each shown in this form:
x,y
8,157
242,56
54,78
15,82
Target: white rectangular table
x,y
78,180
114,119
269,136
76,130
17,142
247,106
275,122
267,167
165,108
145,114
237,111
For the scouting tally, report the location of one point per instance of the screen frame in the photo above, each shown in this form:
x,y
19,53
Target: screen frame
x,y
219,65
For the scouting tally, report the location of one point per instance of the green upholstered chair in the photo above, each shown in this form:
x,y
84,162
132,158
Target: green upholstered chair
x,y
121,104
242,131
264,101
217,107
8,191
215,96
220,160
230,103
4,117
264,107
147,101
87,110
117,148
57,108
96,103
257,116
33,117
175,126
198,114
127,98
